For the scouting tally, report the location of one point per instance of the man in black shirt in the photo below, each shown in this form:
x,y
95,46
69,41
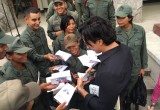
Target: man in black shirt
x,y
114,70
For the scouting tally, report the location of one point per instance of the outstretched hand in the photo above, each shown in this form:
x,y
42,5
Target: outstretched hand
x,y
47,86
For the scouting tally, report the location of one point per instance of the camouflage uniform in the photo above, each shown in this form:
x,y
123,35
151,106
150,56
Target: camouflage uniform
x,y
136,41
38,42
54,23
101,8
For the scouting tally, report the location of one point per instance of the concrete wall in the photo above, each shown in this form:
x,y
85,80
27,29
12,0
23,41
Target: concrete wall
x,y
154,66
136,5
153,44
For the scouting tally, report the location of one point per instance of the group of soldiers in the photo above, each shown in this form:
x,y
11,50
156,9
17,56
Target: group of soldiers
x,y
29,56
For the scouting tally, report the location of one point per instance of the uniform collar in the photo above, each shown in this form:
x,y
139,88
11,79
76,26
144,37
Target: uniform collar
x,y
33,32
134,29
109,53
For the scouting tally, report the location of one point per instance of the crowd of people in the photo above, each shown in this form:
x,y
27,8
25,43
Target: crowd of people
x,y
75,27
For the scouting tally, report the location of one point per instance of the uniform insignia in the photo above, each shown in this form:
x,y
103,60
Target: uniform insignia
x,y
68,38
121,8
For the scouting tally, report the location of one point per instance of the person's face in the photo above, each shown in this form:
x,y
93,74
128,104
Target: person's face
x,y
18,57
33,20
3,49
71,26
74,49
95,46
60,7
123,21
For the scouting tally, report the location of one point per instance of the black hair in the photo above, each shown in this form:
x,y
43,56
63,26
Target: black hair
x,y
9,52
31,10
131,17
65,21
97,28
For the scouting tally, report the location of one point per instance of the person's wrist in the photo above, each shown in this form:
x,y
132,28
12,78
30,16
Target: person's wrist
x,y
80,89
44,56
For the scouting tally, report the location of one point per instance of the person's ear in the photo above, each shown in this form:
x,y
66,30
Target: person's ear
x,y
26,18
8,57
129,19
100,42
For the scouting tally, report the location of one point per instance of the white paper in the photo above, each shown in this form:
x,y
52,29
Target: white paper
x,y
61,74
93,54
85,76
59,78
60,68
87,61
64,55
65,94
94,89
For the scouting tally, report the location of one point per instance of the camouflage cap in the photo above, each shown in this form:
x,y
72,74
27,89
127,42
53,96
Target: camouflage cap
x,y
70,40
58,1
124,11
18,47
5,39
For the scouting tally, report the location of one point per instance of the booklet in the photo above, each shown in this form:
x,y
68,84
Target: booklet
x,y
64,55
60,68
65,94
87,61
59,78
93,54
85,76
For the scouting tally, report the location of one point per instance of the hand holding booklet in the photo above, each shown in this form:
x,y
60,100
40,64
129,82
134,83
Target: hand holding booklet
x,y
85,76
59,78
65,94
60,68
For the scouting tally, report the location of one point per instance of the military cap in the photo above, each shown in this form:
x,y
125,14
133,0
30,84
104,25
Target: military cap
x,y
124,11
5,39
70,40
58,1
18,47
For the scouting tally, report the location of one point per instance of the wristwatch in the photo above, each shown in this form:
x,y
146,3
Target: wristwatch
x,y
153,104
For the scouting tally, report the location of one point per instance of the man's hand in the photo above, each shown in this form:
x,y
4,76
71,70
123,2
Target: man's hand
x,y
51,69
61,106
142,72
90,70
80,85
47,86
50,57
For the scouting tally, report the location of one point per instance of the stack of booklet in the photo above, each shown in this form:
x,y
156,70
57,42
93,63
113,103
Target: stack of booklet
x,y
65,91
89,60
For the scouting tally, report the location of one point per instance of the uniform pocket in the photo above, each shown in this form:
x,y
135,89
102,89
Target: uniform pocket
x,y
138,43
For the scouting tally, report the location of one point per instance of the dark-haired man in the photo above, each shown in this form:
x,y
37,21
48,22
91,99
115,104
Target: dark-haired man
x,y
34,37
113,72
4,40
